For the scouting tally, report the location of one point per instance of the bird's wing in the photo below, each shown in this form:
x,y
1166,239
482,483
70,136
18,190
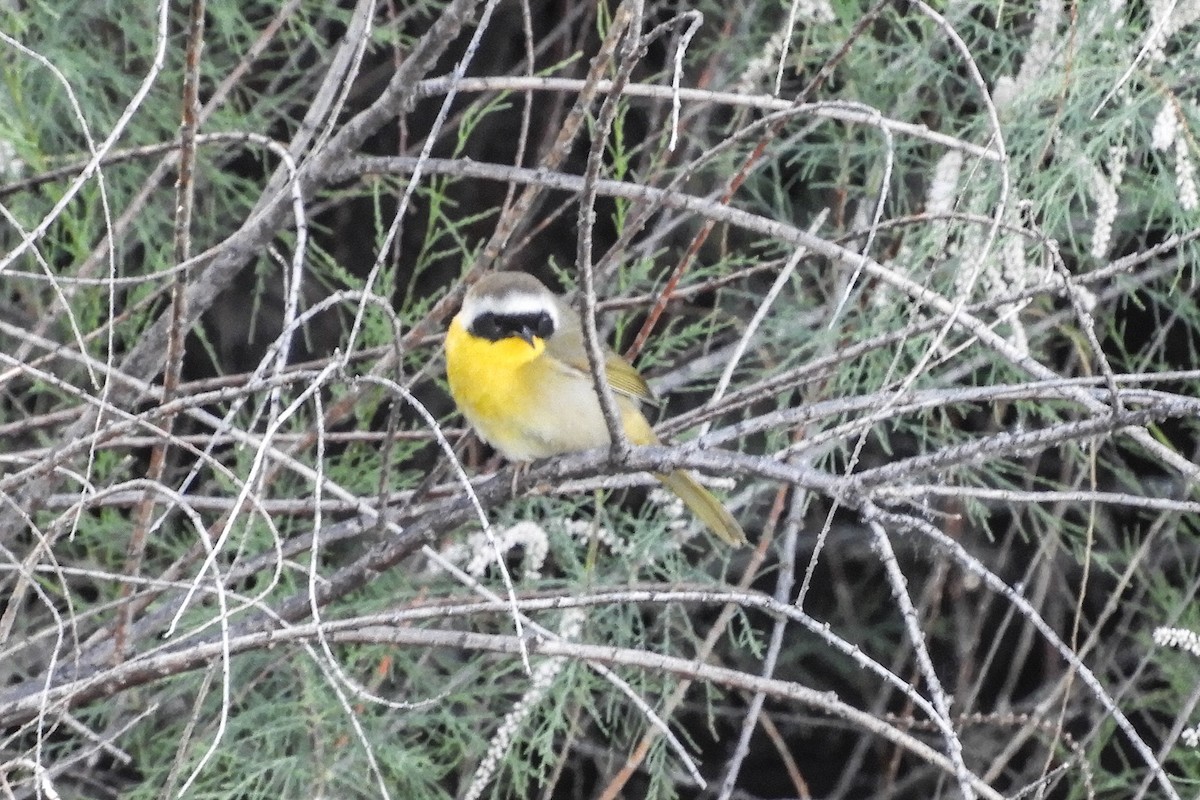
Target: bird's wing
x,y
623,377
566,346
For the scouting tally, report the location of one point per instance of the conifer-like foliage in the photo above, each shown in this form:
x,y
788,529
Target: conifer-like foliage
x,y
915,283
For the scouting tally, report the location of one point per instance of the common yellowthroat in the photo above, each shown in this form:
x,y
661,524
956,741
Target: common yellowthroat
x,y
518,370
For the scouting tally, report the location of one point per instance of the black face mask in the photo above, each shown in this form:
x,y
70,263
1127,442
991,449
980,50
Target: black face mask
x,y
494,327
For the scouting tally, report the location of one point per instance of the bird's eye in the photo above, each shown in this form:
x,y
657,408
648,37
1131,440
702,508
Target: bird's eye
x,y
487,326
545,326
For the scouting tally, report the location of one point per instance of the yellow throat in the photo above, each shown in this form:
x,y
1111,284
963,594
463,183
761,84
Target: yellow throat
x,y
491,383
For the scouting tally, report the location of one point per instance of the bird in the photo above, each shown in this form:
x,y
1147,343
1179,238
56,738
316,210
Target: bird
x,y
518,371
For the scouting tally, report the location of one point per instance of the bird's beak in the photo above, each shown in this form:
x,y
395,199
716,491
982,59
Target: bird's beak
x,y
527,335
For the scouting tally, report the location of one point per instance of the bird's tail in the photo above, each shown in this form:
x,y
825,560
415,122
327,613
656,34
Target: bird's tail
x,y
707,508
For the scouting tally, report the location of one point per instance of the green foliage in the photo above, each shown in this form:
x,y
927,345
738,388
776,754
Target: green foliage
x,y
930,395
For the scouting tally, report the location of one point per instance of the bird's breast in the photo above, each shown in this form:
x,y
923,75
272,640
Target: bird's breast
x,y
524,402
493,386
